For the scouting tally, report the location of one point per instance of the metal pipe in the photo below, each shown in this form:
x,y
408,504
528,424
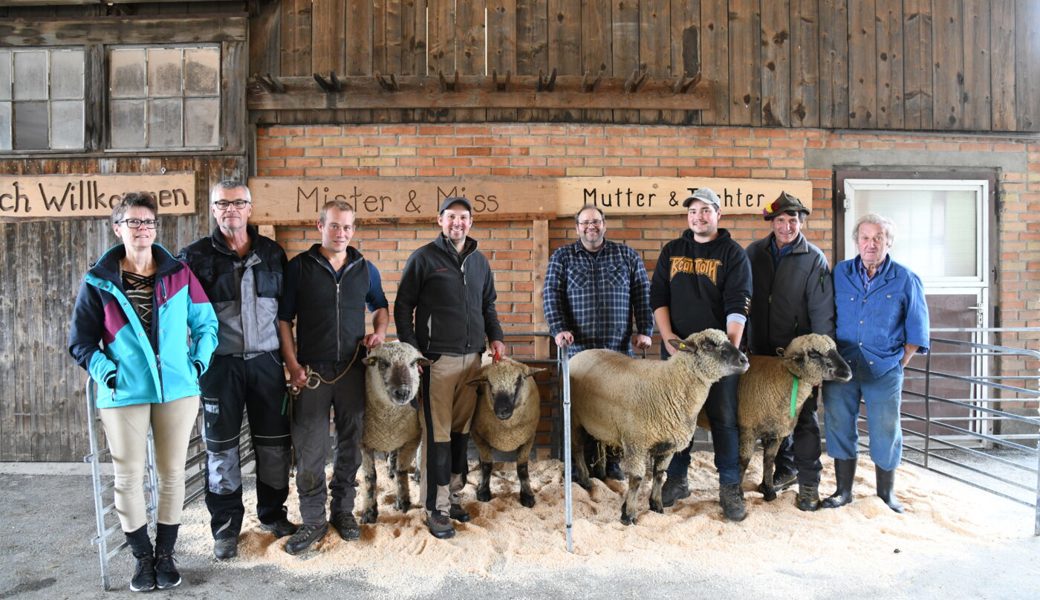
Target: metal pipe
x,y
568,500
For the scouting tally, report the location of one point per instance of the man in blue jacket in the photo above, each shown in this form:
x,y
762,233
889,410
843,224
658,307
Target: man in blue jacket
x,y
882,321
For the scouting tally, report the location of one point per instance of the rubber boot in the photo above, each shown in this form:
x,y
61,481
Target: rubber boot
x,y
808,498
844,473
885,481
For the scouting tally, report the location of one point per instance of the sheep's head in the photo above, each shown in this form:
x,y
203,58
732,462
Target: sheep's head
x,y
502,385
396,364
713,353
815,358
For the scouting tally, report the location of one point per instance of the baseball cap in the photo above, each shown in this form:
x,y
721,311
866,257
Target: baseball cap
x,y
453,200
705,195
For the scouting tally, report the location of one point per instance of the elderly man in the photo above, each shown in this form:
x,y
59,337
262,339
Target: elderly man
x,y
594,289
703,281
445,307
793,295
882,320
326,291
241,272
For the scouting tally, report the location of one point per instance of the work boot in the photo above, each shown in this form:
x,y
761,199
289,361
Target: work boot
x,y
674,488
732,500
844,473
783,479
143,579
346,526
885,482
166,574
280,528
808,497
458,513
440,525
225,548
304,537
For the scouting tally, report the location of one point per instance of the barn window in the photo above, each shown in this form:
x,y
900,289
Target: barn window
x,y
166,97
41,99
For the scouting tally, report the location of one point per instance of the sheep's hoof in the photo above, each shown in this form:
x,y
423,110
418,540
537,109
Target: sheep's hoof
x,y
484,494
585,484
527,500
769,494
657,507
369,515
403,504
628,519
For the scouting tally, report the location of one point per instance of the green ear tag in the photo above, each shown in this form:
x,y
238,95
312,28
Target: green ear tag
x,y
794,395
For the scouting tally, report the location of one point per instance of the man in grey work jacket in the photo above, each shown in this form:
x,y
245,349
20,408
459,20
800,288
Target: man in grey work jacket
x,y
792,295
241,272
594,290
445,307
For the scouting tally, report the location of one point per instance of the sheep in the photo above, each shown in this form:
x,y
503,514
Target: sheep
x,y
649,408
391,419
506,417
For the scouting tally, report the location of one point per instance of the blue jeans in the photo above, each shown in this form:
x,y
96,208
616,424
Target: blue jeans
x,y
882,397
721,407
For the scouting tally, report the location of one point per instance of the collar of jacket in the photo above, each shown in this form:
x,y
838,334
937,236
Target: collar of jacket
x,y
799,246
107,267
220,242
723,234
577,247
314,253
468,247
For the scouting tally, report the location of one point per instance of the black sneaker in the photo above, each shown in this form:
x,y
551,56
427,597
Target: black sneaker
x,y
166,574
440,525
225,548
304,537
458,513
144,574
732,500
674,489
346,526
280,528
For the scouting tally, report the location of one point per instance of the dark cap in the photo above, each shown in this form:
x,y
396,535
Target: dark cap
x,y
705,195
452,201
784,203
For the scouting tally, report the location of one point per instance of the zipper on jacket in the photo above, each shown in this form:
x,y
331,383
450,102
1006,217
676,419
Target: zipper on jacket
x,y
465,294
339,350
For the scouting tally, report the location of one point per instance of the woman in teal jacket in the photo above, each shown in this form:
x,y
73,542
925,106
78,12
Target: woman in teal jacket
x,y
144,331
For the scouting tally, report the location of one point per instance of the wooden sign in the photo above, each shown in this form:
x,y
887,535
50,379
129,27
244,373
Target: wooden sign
x,y
284,200
69,196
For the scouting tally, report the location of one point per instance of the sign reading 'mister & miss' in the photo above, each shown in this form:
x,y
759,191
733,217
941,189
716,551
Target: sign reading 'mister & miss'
x,y
67,196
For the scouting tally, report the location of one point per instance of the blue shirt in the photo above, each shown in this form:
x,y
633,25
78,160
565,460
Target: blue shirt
x,y
875,322
596,296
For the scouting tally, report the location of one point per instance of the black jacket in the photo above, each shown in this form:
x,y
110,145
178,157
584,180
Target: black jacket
x,y
701,284
446,300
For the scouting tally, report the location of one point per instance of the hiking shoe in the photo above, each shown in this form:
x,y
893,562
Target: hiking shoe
x,y
166,574
346,526
674,488
225,548
144,574
458,513
783,479
304,537
280,528
808,497
732,500
440,525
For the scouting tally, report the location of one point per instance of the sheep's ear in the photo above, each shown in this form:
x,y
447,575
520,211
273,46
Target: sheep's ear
x,y
423,362
679,345
371,360
477,381
533,372
779,351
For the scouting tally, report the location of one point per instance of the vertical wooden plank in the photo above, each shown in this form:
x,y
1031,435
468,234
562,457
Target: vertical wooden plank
x,y
327,35
380,31
564,48
624,47
94,87
540,254
655,47
918,67
862,65
470,33
947,33
532,47
1027,61
414,39
441,39
889,38
233,76
1002,70
265,39
745,78
684,42
714,46
596,55
358,37
834,64
502,44
977,98
776,63
805,64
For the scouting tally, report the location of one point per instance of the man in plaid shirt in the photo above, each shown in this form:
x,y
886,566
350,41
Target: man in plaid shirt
x,y
593,291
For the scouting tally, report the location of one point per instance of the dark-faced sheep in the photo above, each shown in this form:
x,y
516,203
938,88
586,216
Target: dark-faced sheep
x,y
764,411
506,418
391,418
647,407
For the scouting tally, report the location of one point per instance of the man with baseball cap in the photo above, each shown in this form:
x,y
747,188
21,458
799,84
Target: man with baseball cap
x,y
703,281
445,307
793,295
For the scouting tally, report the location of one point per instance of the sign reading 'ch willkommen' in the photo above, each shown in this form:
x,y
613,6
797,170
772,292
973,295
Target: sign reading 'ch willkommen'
x,y
66,196
279,200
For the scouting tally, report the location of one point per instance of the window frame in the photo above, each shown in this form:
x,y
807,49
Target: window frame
x,y
49,100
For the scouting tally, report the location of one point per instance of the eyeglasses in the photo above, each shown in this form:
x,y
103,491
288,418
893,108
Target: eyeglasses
x,y
140,223
224,204
335,227
596,222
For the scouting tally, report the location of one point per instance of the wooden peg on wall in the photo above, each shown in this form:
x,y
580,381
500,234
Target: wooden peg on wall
x,y
500,86
330,85
546,84
683,83
449,86
389,85
636,79
270,83
589,86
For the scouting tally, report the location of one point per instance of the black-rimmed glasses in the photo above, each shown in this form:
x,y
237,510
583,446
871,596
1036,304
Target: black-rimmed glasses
x,y
224,204
140,223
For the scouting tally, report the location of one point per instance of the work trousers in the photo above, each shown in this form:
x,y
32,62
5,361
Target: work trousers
x,y
721,407
882,397
800,451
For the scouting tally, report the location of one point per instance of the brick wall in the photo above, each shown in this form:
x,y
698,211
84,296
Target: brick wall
x,y
560,150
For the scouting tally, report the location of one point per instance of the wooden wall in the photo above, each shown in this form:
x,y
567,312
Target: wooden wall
x,y
967,65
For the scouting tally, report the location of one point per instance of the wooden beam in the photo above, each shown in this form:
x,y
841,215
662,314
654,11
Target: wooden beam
x,y
477,91
540,233
123,30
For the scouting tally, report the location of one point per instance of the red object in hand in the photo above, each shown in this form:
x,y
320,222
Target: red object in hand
x,y
496,356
